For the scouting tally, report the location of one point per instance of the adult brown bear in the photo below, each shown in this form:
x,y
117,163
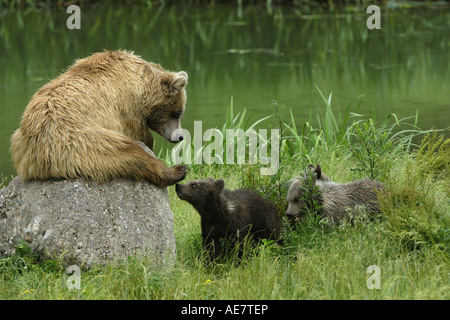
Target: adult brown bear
x,y
84,122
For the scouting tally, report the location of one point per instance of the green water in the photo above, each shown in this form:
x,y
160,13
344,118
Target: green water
x,y
253,54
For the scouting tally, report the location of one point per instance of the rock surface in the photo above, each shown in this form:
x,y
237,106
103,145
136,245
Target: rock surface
x,y
86,222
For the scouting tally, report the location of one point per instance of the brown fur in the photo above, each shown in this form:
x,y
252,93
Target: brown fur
x,y
230,214
83,123
336,199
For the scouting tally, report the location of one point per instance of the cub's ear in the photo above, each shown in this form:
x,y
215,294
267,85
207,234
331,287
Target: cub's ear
x,y
289,182
219,185
318,171
311,174
310,170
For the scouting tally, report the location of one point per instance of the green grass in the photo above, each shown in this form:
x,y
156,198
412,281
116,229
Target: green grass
x,y
409,243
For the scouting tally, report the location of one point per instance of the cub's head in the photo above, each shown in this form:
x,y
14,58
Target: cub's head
x,y
304,193
164,99
197,192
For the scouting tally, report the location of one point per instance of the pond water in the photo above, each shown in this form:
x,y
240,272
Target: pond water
x,y
252,54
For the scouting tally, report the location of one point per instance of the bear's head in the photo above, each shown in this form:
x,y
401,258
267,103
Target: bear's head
x,y
164,101
198,192
304,193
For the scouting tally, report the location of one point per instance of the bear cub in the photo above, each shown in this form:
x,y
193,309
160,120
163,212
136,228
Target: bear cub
x,y
231,215
314,189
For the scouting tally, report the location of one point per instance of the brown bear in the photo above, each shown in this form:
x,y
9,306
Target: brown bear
x,y
83,123
231,215
315,190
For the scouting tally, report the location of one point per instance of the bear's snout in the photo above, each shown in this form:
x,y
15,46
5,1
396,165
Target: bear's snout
x,y
179,191
176,136
180,138
291,215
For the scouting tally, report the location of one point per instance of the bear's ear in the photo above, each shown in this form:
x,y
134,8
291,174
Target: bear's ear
x,y
310,170
289,183
318,171
219,185
174,82
179,80
310,174
182,79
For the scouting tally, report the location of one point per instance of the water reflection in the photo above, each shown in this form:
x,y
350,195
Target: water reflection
x,y
252,55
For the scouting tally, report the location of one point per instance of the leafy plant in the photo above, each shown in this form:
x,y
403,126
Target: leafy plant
x,y
433,154
369,143
310,195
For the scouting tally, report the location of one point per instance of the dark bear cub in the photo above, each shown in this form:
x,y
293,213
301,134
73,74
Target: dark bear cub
x,y
230,215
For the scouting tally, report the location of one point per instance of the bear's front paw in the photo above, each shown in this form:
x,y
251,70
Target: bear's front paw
x,y
179,172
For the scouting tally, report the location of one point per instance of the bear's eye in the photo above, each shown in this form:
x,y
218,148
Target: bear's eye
x,y
193,185
175,115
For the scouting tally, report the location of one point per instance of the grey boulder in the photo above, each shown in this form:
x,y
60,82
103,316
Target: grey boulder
x,y
86,222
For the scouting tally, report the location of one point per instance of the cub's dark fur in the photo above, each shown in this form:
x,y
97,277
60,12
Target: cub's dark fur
x,y
229,214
